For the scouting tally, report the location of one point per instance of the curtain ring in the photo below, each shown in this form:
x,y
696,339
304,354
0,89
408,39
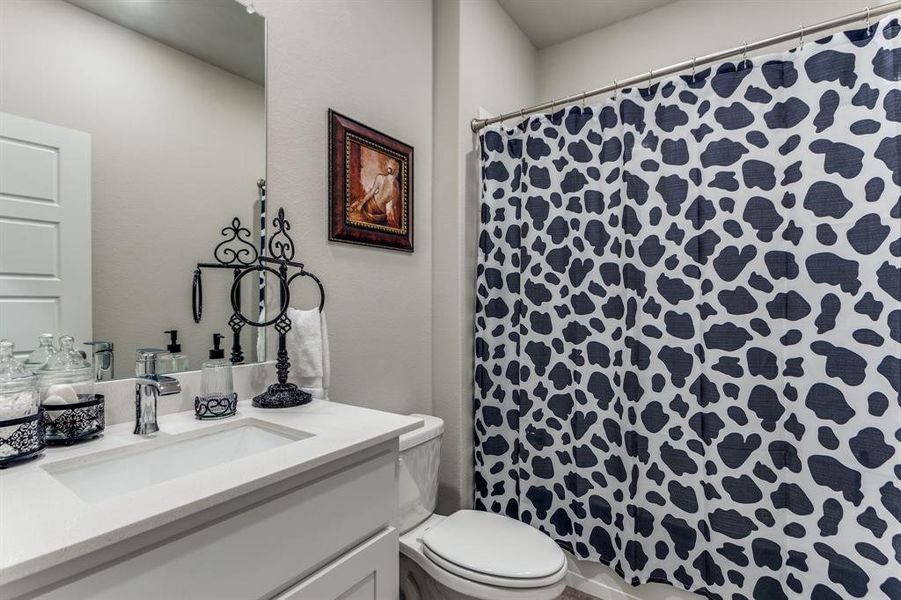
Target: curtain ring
x,y
615,89
650,77
693,59
744,53
867,22
584,93
801,39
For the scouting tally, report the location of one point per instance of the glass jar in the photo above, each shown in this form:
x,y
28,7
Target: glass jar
x,y
67,377
42,354
18,386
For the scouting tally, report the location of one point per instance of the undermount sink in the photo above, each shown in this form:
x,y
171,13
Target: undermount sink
x,y
102,475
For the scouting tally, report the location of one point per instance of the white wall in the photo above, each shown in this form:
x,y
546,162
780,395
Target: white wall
x,y
482,60
371,61
178,146
658,38
670,34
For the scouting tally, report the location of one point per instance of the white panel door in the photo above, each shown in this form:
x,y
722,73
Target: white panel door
x,y
45,231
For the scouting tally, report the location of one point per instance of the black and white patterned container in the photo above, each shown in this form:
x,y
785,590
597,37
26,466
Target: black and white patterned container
x,y
66,424
21,438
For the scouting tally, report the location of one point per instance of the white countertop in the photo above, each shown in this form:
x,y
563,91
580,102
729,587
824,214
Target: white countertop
x,y
43,523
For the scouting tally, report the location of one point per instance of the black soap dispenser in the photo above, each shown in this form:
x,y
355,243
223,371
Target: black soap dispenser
x,y
217,397
176,360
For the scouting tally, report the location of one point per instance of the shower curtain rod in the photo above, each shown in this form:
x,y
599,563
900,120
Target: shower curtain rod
x,y
867,13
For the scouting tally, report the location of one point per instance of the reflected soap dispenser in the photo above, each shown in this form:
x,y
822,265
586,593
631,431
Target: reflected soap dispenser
x,y
217,397
175,361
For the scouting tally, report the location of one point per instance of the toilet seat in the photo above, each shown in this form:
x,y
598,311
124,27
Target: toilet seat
x,y
472,582
504,582
493,549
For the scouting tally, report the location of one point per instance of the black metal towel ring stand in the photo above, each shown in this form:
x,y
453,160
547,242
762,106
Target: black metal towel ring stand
x,y
235,252
281,254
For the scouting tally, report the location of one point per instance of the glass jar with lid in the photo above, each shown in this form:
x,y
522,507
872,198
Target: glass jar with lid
x,y
42,354
18,386
67,377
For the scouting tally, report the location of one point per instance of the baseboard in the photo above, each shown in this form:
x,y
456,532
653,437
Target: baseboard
x,y
595,588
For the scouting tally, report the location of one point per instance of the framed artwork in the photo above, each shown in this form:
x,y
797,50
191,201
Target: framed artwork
x,y
370,186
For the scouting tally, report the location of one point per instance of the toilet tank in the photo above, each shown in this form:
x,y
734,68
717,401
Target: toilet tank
x,y
417,473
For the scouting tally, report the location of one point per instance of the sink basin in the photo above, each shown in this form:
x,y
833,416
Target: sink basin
x,y
118,471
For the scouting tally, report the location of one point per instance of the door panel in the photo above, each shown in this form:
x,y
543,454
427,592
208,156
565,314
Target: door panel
x,y
45,231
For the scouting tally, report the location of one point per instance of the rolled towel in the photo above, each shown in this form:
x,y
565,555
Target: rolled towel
x,y
308,351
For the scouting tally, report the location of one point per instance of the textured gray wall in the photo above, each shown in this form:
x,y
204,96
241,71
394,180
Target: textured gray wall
x,y
371,61
483,61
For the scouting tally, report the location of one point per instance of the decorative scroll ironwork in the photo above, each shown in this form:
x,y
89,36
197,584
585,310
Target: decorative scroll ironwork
x,y
215,407
237,249
281,246
281,249
279,263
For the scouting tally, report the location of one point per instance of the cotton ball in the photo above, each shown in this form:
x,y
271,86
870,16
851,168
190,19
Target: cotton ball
x,y
65,393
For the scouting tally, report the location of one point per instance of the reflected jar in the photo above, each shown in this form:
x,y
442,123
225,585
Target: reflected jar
x,y
42,354
67,377
18,386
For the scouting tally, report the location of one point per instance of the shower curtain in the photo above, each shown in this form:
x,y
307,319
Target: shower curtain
x,y
688,327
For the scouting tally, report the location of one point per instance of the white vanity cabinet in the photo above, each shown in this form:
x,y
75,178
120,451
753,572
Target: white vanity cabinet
x,y
322,535
368,572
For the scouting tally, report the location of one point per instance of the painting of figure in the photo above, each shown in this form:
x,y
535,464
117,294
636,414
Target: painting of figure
x,y
370,179
375,195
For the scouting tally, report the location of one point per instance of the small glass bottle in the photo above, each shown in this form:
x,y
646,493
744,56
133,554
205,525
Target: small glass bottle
x,y
217,395
42,353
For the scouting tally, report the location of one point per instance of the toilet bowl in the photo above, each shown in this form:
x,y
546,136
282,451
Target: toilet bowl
x,y
469,554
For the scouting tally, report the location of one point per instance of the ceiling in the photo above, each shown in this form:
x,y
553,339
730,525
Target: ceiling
x,y
547,22
219,32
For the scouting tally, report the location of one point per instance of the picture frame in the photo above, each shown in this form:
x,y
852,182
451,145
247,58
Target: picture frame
x,y
370,186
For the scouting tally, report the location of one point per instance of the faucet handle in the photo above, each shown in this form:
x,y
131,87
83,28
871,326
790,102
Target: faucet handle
x,y
145,360
100,345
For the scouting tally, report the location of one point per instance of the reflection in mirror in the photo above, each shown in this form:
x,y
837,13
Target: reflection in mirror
x,y
131,133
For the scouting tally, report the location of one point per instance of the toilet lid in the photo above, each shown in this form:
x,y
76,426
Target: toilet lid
x,y
494,545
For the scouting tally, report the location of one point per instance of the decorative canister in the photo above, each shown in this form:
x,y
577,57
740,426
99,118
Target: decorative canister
x,y
67,377
66,424
21,431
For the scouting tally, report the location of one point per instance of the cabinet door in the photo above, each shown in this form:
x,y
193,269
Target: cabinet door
x,y
368,572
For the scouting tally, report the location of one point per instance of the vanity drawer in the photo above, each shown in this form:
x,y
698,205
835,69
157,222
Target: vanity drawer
x,y
259,550
368,572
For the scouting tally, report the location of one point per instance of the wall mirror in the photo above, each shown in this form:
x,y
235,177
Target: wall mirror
x,y
132,133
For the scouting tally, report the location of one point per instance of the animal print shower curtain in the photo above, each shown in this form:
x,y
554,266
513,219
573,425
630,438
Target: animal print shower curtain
x,y
688,326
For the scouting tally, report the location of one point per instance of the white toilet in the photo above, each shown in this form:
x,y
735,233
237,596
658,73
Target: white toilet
x,y
469,554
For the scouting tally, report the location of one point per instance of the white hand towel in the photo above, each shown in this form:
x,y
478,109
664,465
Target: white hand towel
x,y
307,345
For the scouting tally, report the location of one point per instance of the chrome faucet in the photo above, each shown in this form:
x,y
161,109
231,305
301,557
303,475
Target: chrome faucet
x,y
149,386
102,360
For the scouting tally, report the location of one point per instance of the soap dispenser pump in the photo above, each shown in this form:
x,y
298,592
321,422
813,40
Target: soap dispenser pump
x,y
175,361
217,397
